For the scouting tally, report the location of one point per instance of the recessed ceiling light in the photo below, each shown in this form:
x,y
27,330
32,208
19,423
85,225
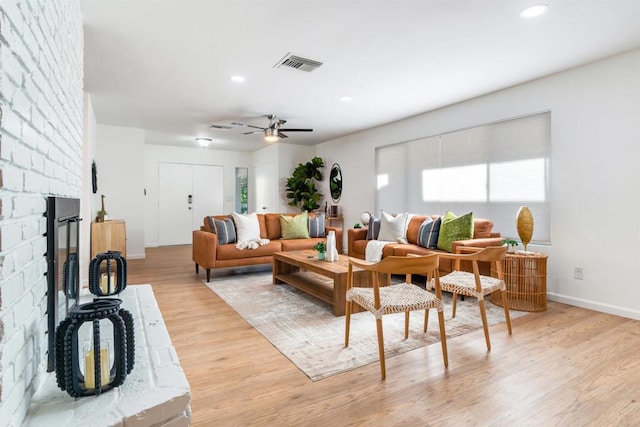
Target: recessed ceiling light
x,y
204,142
345,98
533,11
238,79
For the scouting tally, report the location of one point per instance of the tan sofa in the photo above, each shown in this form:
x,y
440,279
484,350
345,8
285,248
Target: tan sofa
x,y
483,236
208,254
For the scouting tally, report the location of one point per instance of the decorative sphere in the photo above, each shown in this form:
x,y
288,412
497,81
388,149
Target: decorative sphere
x,y
364,218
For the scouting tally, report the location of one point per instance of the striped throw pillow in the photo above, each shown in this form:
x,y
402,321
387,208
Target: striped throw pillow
x,y
428,233
374,228
316,226
225,229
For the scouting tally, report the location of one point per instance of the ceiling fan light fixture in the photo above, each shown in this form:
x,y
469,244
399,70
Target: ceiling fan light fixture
x,y
204,142
271,135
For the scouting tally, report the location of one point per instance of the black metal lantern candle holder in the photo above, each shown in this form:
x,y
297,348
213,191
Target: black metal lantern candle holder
x,y
89,364
107,274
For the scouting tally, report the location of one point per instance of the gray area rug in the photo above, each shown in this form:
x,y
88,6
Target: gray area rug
x,y
305,330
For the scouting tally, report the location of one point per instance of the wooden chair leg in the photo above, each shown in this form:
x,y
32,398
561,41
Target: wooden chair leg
x,y
506,311
383,370
426,320
347,323
454,299
483,314
443,339
406,324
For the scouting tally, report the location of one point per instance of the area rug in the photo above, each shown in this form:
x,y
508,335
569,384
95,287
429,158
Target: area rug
x,y
305,330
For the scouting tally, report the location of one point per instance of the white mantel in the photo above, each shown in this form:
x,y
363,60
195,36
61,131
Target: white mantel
x,y
155,393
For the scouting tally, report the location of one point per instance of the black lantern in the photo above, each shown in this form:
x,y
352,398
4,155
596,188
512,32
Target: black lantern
x,y
107,274
94,348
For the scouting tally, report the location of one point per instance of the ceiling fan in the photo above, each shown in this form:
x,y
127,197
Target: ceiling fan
x,y
273,132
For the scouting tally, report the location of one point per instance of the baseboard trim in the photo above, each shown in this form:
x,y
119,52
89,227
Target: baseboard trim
x,y
594,305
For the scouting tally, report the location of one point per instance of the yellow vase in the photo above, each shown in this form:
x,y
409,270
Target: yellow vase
x,y
525,225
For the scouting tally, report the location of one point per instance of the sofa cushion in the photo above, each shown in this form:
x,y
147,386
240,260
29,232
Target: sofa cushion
x,y
374,228
272,224
247,226
230,252
428,233
404,250
454,228
295,227
225,229
393,228
482,228
316,226
299,244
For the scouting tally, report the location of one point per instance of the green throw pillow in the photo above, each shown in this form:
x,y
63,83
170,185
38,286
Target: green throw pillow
x,y
454,228
295,227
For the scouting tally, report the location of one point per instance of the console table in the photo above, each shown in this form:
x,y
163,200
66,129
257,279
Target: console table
x,y
526,278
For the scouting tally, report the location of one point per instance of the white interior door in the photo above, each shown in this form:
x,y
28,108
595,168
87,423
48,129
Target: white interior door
x,y
266,184
175,219
208,194
187,193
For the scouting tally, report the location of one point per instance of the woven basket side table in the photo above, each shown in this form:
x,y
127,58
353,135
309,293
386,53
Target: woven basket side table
x,y
526,278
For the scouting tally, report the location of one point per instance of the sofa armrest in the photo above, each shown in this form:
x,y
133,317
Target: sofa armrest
x,y
478,243
339,237
204,248
354,234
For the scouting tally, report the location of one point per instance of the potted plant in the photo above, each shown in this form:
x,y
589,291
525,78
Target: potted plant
x,y
321,247
510,243
301,185
357,225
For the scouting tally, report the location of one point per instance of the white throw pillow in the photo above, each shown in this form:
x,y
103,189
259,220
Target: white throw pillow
x,y
247,226
393,229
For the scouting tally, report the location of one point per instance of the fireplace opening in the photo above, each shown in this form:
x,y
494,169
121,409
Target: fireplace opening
x,y
63,275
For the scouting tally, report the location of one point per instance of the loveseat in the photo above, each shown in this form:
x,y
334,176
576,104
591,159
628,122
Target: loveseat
x,y
483,236
208,253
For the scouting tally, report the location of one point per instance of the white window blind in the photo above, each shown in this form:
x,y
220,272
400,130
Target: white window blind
x,y
490,170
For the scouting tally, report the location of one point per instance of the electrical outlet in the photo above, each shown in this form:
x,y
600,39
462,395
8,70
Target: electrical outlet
x,y
578,273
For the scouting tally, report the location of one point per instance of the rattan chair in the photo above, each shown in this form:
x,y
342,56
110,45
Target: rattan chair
x,y
476,285
400,298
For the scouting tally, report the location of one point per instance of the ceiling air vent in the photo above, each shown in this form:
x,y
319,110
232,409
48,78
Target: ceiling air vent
x,y
298,63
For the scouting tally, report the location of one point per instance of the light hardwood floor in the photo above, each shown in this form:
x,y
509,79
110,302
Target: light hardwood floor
x,y
566,366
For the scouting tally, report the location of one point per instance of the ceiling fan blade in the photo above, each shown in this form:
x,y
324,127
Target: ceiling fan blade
x,y
297,130
252,132
244,125
282,135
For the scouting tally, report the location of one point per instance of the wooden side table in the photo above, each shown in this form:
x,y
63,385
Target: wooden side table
x,y
331,219
110,235
526,278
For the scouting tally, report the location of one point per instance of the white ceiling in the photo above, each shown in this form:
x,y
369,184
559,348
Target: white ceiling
x,y
165,66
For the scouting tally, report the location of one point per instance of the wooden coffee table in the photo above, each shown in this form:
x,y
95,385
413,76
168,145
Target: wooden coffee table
x,y
324,280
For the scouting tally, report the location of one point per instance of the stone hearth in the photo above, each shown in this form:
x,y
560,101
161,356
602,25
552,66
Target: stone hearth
x,y
155,393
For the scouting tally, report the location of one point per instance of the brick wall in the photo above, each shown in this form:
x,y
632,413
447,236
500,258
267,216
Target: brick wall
x,y
41,96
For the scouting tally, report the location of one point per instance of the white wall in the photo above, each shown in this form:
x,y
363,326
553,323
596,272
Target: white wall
x,y
595,179
88,209
155,154
41,112
120,163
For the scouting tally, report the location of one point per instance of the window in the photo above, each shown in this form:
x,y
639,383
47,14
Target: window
x,y
490,170
242,190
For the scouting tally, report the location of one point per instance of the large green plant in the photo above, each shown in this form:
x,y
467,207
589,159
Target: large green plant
x,y
301,185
